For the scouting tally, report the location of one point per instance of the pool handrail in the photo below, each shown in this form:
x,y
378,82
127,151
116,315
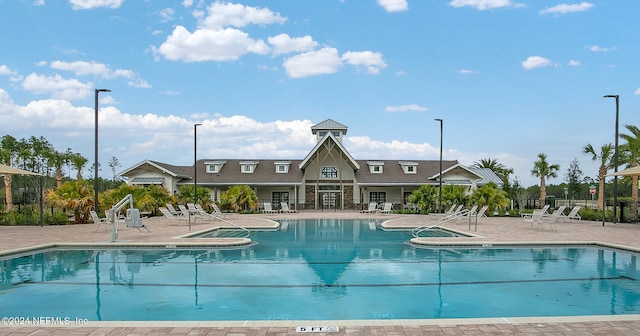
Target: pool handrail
x,y
204,213
416,232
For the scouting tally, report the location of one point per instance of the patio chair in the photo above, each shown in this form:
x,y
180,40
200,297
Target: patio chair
x,y
533,218
284,207
171,217
99,221
224,215
573,214
173,210
373,207
268,209
387,209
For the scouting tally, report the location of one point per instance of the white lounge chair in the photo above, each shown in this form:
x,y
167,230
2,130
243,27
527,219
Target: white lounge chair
x,y
373,207
171,217
533,218
99,221
173,210
466,214
456,211
573,214
267,209
552,218
284,208
216,212
387,208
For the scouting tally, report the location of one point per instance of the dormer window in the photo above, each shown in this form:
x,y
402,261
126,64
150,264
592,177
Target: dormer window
x,y
282,167
375,167
409,167
329,172
248,167
214,167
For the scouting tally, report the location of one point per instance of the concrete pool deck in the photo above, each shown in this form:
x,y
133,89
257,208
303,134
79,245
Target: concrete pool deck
x,y
489,230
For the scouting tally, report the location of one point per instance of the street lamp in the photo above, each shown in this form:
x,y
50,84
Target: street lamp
x,y
440,175
195,160
615,160
95,167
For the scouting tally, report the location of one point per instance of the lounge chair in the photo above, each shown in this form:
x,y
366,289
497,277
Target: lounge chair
x,y
533,218
268,209
387,208
552,218
224,215
171,217
373,207
452,213
99,221
573,214
466,214
284,208
173,210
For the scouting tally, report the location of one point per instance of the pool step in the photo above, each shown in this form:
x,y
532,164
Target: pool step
x,y
229,233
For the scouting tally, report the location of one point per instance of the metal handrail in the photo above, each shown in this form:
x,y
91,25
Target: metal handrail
x,y
416,232
248,233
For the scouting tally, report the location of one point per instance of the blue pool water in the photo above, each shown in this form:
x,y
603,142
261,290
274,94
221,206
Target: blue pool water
x,y
320,270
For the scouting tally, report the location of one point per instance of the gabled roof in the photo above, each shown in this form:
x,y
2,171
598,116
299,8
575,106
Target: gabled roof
x,y
263,174
175,171
328,124
456,166
326,138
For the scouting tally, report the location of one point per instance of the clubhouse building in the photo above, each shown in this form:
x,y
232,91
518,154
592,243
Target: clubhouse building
x,y
327,178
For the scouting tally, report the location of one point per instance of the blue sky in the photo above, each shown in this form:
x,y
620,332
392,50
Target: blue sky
x,y
510,79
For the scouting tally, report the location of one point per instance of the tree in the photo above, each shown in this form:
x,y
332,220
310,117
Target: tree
x,y
424,197
454,194
574,178
76,196
498,168
491,196
114,164
239,197
630,156
605,158
78,161
57,160
185,195
544,170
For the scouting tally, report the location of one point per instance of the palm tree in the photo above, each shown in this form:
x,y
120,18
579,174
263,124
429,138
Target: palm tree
x,y
8,156
78,161
605,158
56,159
544,170
630,155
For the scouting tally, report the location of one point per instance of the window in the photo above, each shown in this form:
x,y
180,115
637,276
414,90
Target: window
x,y
406,197
375,167
279,196
248,167
409,167
322,134
336,134
377,196
214,167
282,167
330,172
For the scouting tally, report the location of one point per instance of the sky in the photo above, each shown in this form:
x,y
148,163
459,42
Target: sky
x,y
510,79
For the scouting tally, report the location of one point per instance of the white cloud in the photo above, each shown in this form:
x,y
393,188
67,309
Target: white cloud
x,y
366,148
405,108
596,48
481,4
574,63
637,92
567,8
221,14
533,62
166,14
467,72
284,44
320,62
394,5
5,71
57,86
210,45
372,61
90,4
82,68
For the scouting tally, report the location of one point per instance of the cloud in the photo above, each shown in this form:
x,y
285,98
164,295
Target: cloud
x,y
481,4
467,72
567,8
320,62
574,63
57,86
210,45
596,48
372,61
406,108
5,71
284,44
533,62
90,4
637,92
82,68
394,5
222,15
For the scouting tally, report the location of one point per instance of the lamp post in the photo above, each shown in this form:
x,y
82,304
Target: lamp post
x,y
615,159
95,167
440,174
195,160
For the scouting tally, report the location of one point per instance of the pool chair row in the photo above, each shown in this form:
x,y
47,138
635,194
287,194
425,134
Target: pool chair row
x,y
267,209
387,208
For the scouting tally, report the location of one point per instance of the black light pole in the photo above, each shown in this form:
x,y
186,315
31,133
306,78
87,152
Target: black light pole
x,y
615,159
95,167
440,175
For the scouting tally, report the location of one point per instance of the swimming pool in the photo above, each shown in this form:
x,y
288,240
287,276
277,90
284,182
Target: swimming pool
x,y
320,270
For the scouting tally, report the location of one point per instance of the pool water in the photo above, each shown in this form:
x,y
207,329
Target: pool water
x,y
320,270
